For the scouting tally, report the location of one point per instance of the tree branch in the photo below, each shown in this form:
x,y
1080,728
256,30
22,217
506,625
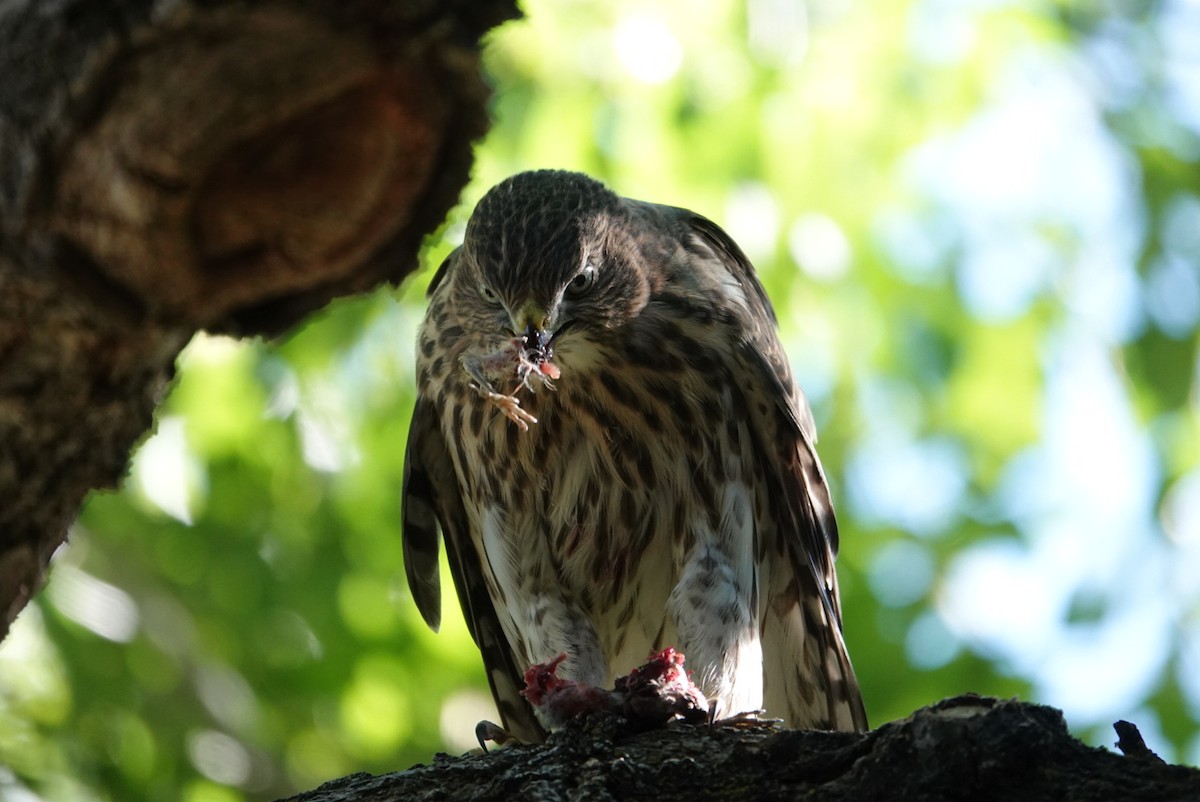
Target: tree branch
x,y
969,747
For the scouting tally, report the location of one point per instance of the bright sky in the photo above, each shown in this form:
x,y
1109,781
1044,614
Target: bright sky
x,y
1084,496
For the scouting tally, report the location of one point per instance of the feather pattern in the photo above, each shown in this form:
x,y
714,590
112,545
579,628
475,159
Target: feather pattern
x,y
665,491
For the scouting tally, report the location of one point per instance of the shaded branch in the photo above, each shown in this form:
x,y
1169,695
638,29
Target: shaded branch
x,y
968,747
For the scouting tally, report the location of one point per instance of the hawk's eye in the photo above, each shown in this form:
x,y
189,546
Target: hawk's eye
x,y
582,282
488,294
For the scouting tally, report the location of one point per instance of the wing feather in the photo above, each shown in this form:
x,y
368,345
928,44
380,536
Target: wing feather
x,y
789,438
419,515
431,501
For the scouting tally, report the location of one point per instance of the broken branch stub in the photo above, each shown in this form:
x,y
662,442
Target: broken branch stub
x,y
255,154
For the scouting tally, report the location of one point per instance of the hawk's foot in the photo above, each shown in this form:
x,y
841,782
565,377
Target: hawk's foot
x,y
489,731
744,720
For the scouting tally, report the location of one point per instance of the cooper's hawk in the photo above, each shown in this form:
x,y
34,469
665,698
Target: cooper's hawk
x,y
608,435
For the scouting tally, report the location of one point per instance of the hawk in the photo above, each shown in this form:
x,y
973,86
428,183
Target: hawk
x,y
609,439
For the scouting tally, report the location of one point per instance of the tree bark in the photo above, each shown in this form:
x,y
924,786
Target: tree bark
x,y
168,166
969,747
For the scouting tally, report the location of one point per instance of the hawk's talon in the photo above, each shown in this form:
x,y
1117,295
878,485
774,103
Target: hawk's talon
x,y
743,720
488,731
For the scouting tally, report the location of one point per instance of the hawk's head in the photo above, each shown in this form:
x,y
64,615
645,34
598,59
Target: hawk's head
x,y
550,253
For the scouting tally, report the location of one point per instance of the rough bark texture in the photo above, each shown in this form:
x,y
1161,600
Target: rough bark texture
x,y
174,165
964,748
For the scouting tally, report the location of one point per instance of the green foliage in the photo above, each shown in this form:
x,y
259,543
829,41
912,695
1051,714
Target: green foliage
x,y
961,287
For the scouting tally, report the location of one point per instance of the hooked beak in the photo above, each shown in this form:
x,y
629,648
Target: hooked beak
x,y
530,324
536,339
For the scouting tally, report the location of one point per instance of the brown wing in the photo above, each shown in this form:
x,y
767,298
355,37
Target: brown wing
x,y
431,500
427,467
419,512
805,611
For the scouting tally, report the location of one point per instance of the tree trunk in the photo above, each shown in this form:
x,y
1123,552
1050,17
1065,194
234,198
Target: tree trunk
x,y
172,165
969,748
